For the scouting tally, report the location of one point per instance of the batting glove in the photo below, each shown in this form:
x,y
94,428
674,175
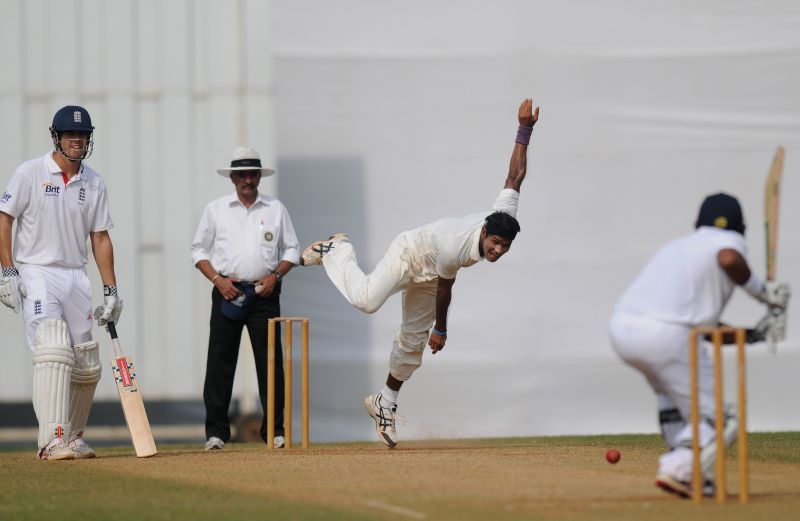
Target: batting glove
x,y
12,289
111,308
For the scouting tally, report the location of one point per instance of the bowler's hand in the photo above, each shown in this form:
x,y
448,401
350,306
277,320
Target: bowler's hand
x,y
436,342
226,287
527,116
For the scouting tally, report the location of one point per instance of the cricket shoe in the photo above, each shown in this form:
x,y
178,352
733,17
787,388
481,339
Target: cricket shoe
x,y
384,418
81,449
683,488
214,443
279,442
56,450
312,255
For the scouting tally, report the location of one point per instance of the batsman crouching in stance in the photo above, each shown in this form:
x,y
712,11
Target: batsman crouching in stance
x,y
422,263
58,203
686,284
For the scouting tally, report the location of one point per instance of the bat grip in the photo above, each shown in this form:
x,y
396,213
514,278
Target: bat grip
x,y
112,329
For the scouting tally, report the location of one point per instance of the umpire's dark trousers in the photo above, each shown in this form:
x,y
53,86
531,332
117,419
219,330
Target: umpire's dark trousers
x,y
223,352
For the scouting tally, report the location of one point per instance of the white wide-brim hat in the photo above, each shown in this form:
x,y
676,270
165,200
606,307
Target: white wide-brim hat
x,y
245,159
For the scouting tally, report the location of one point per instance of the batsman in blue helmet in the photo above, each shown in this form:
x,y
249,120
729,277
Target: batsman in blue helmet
x,y
58,202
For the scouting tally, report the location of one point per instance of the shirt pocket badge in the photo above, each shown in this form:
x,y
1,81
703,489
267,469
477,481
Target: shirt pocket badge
x,y
268,236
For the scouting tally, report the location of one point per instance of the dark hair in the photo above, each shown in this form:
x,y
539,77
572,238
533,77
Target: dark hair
x,y
502,224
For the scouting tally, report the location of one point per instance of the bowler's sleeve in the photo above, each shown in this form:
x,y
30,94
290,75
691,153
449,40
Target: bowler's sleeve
x,y
507,201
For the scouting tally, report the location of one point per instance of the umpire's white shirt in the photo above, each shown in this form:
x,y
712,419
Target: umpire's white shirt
x,y
441,248
246,243
54,219
683,283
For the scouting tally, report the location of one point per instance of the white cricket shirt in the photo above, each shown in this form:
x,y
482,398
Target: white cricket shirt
x,y
53,218
441,248
683,283
246,243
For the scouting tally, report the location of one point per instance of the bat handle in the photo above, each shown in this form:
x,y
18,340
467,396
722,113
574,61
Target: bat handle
x,y
112,329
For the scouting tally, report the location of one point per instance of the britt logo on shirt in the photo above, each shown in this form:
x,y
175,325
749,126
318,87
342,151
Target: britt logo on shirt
x,y
37,307
82,195
51,190
5,198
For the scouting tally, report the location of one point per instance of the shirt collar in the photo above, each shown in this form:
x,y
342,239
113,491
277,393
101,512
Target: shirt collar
x,y
233,200
475,252
54,169
51,164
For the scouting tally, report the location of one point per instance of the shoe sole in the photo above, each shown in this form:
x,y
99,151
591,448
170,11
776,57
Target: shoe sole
x,y
385,439
51,458
669,487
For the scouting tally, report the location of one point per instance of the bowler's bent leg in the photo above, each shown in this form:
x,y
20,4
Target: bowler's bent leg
x,y
366,292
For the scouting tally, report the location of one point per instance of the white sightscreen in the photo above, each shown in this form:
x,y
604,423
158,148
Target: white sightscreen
x,y
394,116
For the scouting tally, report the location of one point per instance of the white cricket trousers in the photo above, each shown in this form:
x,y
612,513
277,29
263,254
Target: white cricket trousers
x,y
367,293
660,351
55,292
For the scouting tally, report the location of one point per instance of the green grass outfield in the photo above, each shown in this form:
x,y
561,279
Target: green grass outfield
x,y
552,478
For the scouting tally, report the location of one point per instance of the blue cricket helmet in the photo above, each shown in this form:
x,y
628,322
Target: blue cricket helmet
x,y
72,118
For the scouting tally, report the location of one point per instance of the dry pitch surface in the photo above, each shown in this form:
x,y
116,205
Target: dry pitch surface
x,y
560,478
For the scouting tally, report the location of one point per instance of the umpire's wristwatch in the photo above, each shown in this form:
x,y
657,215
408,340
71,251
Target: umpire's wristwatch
x,y
278,275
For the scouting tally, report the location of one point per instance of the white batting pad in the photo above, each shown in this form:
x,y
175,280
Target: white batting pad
x,y
708,456
53,360
85,375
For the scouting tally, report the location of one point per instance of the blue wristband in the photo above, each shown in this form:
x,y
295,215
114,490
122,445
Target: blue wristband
x,y
440,333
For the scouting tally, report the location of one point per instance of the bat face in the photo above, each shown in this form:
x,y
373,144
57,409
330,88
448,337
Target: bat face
x,y
133,406
771,204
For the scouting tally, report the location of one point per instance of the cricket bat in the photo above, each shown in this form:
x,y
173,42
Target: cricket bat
x,y
771,204
130,396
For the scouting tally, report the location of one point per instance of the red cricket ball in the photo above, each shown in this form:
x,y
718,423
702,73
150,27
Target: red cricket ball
x,y
613,455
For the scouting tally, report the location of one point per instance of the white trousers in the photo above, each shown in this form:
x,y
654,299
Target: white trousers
x,y
62,293
660,351
367,293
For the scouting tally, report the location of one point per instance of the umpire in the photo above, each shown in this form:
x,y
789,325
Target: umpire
x,y
245,244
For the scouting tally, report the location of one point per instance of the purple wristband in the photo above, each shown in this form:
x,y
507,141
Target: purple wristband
x,y
524,135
